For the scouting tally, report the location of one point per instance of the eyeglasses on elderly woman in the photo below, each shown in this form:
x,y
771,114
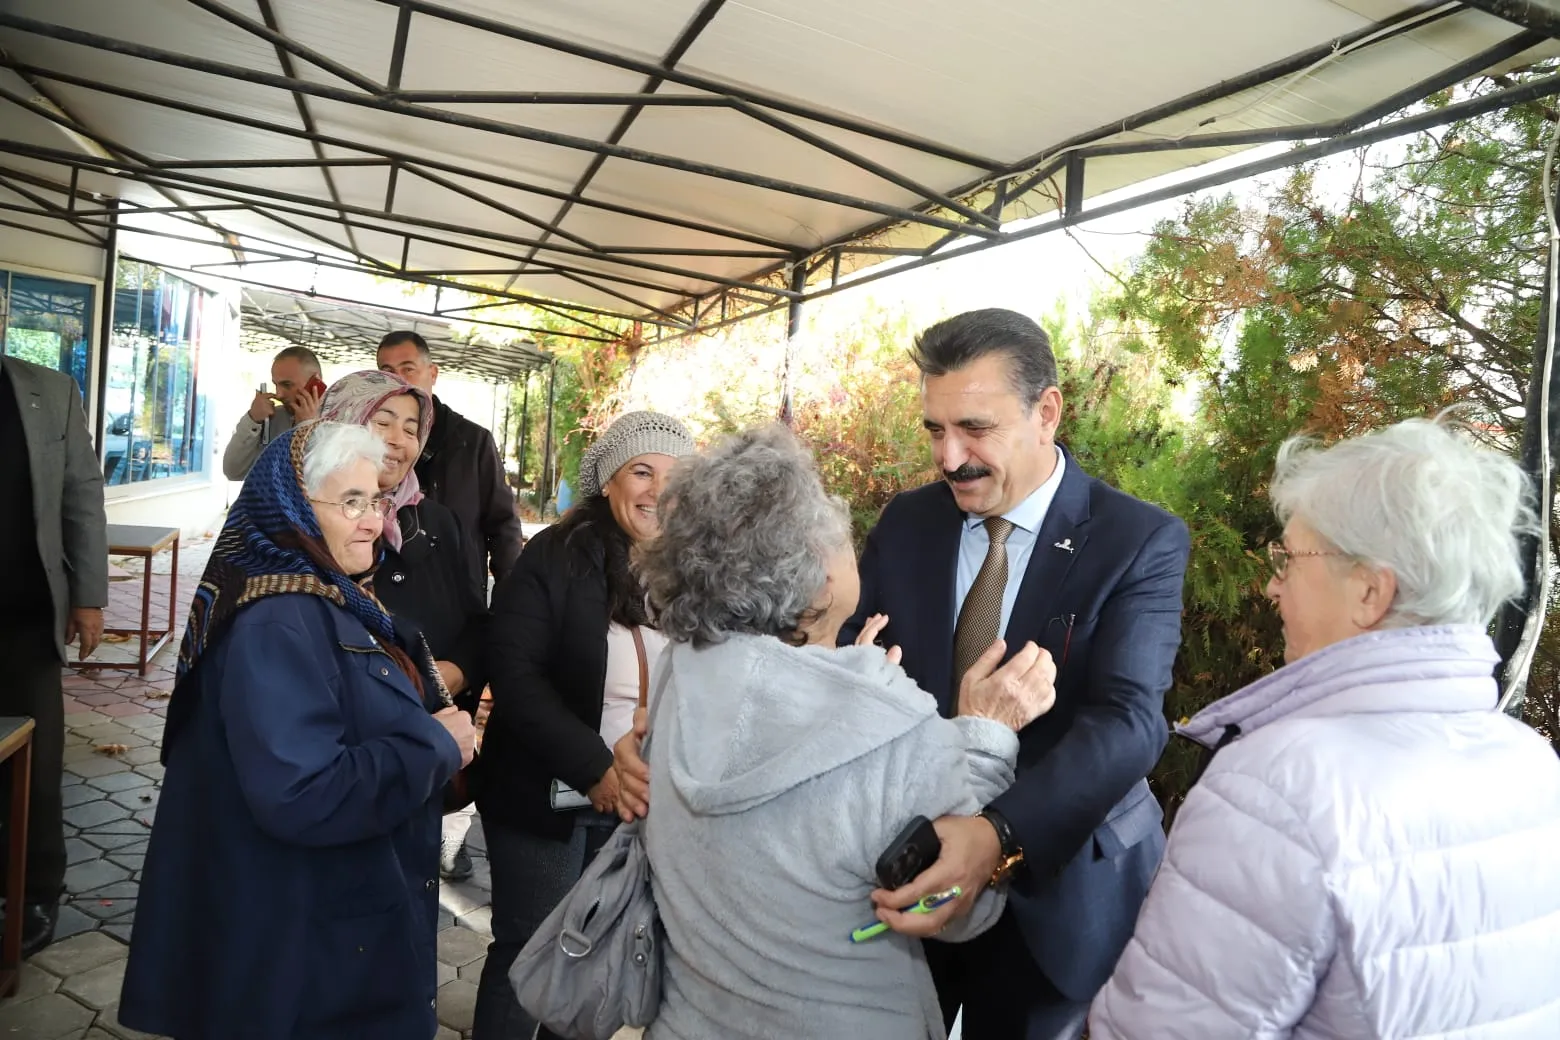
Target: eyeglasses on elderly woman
x,y
353,508
1279,556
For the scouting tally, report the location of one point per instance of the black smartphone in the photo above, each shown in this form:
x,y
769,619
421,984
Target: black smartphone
x,y
915,849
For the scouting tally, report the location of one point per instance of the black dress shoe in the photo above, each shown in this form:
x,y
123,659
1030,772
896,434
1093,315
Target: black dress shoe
x,y
38,921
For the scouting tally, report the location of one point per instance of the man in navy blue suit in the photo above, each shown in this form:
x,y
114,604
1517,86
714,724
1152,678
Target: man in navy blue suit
x,y
1017,541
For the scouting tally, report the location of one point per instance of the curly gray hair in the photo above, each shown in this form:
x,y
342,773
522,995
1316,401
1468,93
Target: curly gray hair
x,y
746,534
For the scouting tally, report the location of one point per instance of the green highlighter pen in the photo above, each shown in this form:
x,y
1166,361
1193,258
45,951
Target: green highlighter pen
x,y
925,906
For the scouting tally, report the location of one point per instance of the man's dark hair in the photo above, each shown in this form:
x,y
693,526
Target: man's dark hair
x,y
400,336
303,355
955,342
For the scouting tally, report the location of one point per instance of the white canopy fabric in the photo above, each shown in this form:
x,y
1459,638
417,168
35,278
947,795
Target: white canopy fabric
x,y
679,162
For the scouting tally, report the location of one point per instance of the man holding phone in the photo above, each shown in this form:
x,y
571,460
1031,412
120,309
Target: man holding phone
x,y
295,375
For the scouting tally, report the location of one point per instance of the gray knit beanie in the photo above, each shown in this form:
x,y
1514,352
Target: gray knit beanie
x,y
632,435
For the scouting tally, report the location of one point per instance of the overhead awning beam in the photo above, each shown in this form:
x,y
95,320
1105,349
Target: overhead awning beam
x,y
1532,14
1549,86
401,158
685,39
285,200
1502,51
52,209
569,141
508,298
687,79
284,45
1071,159
306,117
69,120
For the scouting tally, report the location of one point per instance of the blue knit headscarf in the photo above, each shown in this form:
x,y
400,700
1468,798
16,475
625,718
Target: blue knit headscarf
x,y
260,553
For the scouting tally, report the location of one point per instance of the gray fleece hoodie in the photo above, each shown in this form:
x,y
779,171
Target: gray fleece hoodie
x,y
778,776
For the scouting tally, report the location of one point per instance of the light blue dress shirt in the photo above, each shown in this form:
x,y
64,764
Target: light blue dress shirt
x,y
1026,518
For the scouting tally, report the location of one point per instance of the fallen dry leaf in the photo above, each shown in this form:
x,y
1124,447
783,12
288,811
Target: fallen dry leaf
x,y
158,695
111,749
115,637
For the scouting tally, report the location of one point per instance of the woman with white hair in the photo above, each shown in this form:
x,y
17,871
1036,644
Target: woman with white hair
x,y
1374,850
781,768
291,881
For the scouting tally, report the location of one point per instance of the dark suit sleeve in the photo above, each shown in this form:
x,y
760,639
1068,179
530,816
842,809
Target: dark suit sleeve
x,y
1119,730
867,570
500,525
82,515
523,635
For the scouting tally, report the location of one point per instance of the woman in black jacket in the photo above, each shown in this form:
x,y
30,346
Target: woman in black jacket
x,y
422,578
566,674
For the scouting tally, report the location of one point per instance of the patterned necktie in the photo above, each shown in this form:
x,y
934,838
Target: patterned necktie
x,y
980,619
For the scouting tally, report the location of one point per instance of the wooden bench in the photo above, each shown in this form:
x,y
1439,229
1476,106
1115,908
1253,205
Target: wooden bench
x,y
16,751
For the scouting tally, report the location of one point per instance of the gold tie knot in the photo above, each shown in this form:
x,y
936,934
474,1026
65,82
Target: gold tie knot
x,y
998,529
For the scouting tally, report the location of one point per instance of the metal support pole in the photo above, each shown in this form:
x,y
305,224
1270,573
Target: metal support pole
x,y
1513,617
106,324
793,326
545,492
1072,203
503,440
525,426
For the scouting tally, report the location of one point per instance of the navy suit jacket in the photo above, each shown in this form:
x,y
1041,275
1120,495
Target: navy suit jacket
x,y
1102,593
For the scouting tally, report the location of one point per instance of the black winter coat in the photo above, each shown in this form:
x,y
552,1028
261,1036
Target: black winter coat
x,y
459,469
547,660
428,584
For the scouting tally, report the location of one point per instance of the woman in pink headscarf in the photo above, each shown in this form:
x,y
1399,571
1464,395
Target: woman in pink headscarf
x,y
422,579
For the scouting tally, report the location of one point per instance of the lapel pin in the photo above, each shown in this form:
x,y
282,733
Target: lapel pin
x,y
1065,545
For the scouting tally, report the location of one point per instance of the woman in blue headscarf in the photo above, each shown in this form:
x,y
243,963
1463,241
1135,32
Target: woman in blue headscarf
x,y
291,883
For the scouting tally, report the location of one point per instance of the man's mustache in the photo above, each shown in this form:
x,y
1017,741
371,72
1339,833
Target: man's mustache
x,y
968,471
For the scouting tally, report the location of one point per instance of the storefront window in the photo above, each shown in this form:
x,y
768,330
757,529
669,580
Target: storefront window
x,y
48,322
154,420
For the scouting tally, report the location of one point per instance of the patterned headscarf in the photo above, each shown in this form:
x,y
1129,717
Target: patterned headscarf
x,y
261,552
355,398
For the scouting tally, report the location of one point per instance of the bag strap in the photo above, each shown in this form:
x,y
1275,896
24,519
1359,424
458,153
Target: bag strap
x,y
665,663
644,666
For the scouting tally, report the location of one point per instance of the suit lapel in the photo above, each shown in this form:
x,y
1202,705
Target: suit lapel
x,y
29,404
939,549
1060,541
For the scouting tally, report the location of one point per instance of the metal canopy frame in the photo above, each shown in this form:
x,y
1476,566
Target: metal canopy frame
x,y
347,330
975,215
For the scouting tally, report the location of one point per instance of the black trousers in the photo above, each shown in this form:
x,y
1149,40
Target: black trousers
x,y
31,685
1004,994
531,875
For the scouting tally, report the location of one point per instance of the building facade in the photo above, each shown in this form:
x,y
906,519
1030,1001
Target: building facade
x,y
161,378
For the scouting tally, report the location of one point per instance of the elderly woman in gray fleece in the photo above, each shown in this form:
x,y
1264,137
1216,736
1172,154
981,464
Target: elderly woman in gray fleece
x,y
782,768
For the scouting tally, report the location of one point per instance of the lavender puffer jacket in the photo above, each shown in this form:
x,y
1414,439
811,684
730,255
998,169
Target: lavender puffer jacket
x,y
1375,853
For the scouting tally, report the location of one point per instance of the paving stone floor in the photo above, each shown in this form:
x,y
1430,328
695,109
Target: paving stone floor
x,y
114,722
